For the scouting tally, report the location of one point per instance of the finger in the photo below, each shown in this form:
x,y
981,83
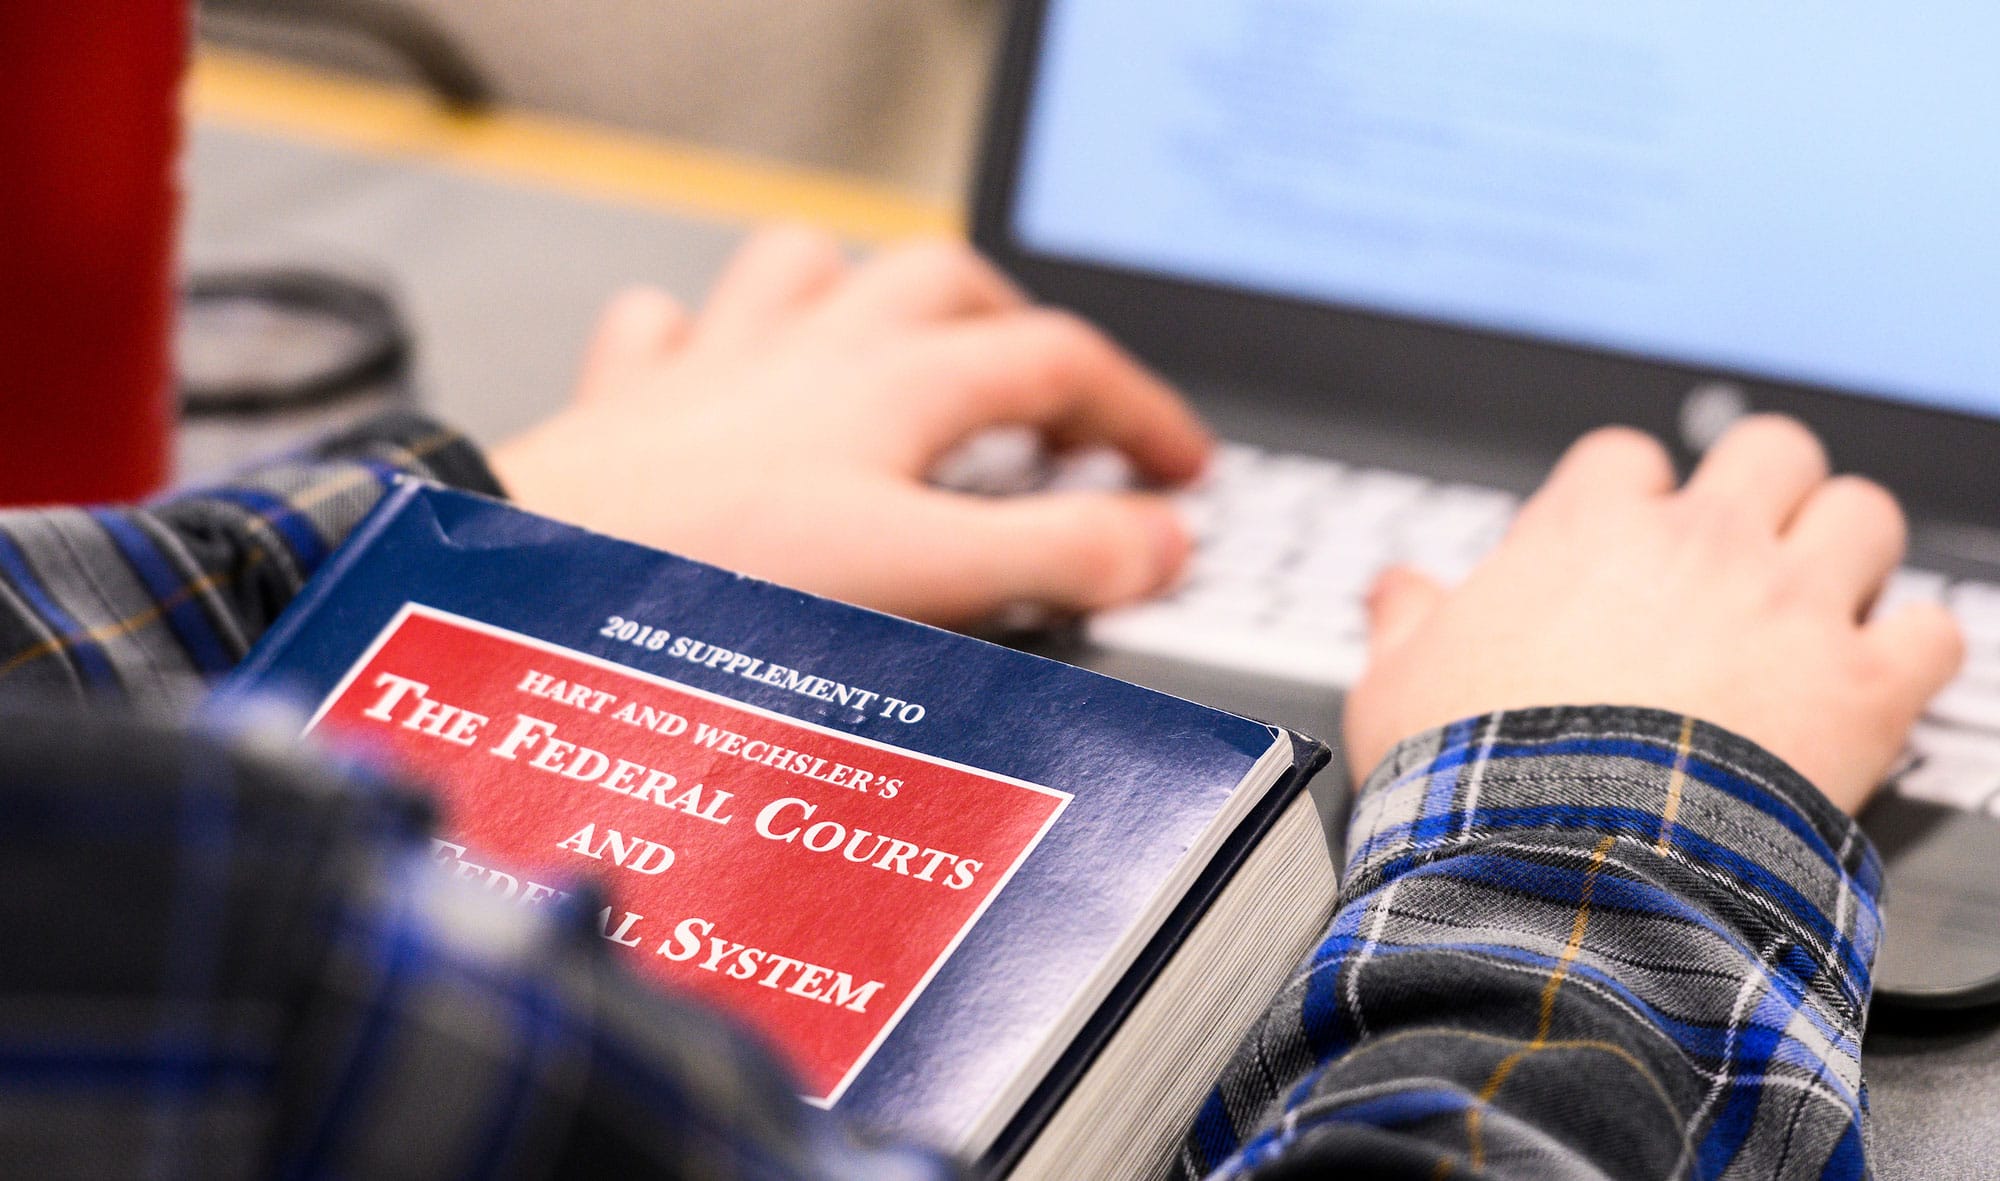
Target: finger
x,y
1052,371
1401,599
1762,470
943,279
1923,647
637,327
1609,462
968,557
778,273
1846,541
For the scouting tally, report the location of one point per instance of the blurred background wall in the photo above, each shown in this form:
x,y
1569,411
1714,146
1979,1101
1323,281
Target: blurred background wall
x,y
888,89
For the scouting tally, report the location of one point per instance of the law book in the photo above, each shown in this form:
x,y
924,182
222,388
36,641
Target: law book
x,y
976,898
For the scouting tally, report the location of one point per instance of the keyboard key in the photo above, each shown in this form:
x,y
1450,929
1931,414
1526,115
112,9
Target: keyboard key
x,y
1982,668
1467,511
1002,461
1327,576
1224,602
1977,605
1909,586
1447,567
1339,615
1093,469
1232,460
1955,769
1323,658
1973,704
1372,496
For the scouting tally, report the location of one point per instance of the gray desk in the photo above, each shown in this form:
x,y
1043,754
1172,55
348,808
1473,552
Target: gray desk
x,y
502,282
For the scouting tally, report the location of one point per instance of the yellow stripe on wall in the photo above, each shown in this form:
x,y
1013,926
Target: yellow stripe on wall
x,y
570,156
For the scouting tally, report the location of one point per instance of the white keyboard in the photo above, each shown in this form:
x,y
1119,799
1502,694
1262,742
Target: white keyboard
x,y
1286,547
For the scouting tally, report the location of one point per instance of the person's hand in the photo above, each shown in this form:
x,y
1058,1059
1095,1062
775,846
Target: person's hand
x,y
786,430
1739,600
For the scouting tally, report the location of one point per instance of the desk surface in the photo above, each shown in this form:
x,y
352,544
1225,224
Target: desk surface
x,y
502,237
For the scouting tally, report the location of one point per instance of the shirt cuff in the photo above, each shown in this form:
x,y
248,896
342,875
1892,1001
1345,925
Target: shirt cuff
x,y
1742,820
419,446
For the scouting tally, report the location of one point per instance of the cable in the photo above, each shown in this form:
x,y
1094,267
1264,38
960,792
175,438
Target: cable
x,y
283,339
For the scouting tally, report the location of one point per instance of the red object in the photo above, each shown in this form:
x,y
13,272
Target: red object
x,y
807,881
89,135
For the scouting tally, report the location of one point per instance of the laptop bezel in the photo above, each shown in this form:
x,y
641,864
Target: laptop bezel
x,y
1440,378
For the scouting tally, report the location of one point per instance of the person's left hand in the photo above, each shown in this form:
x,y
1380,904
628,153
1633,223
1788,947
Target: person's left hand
x,y
786,431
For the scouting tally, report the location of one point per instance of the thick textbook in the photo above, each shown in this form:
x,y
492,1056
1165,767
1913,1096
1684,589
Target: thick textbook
x,y
976,897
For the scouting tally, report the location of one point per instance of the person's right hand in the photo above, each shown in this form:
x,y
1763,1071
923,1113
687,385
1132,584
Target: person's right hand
x,y
786,430
1739,599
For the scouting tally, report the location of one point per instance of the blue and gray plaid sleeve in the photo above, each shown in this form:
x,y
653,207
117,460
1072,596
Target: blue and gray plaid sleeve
x,y
145,602
223,960
1576,943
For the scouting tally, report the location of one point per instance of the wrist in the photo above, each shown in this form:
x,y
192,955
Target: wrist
x,y
534,471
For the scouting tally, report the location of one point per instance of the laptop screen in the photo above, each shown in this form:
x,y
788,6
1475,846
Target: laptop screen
x,y
1807,198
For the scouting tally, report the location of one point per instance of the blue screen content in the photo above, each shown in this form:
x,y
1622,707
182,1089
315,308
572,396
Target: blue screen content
x,y
1801,196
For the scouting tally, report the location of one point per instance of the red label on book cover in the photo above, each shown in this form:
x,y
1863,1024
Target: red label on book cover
x,y
806,880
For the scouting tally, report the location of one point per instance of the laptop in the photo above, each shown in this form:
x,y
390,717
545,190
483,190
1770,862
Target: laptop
x,y
1403,254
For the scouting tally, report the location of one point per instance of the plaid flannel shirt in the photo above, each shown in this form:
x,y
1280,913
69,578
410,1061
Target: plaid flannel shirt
x,y
1571,943
143,603
1593,943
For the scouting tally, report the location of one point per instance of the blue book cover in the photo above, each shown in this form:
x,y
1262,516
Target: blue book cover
x,y
935,871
